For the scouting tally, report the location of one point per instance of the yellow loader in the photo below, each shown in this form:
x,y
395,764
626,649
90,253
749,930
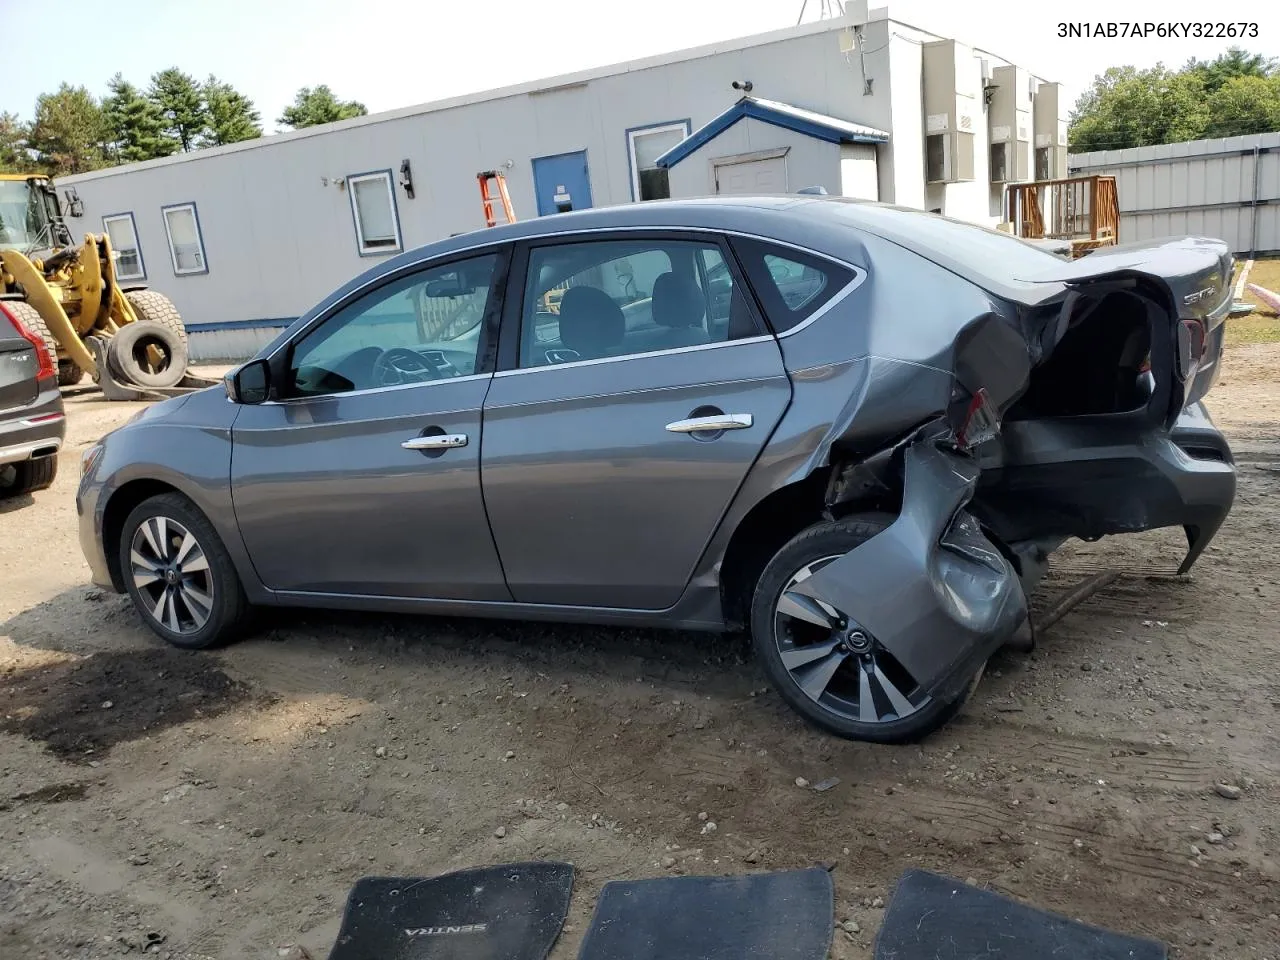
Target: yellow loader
x,y
131,340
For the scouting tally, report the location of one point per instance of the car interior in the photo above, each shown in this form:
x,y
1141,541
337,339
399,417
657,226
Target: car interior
x,y
415,330
589,301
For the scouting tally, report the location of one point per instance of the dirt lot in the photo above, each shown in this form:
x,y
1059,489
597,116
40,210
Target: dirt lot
x,y
221,805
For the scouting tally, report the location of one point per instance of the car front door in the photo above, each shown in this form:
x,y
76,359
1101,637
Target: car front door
x,y
361,475
631,402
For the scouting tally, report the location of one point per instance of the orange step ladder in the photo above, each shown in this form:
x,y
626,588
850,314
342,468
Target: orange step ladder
x,y
487,199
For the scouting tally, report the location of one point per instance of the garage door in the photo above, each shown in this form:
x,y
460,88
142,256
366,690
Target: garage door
x,y
754,176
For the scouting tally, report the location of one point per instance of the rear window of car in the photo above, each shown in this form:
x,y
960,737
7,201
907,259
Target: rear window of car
x,y
976,250
791,285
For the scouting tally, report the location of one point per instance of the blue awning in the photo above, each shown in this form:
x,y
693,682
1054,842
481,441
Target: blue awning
x,y
817,125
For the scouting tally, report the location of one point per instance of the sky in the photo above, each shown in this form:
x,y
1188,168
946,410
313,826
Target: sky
x,y
403,52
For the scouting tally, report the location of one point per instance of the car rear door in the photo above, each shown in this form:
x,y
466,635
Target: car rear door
x,y
619,429
18,366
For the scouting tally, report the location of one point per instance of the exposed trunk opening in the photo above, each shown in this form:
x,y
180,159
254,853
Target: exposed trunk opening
x,y
1098,365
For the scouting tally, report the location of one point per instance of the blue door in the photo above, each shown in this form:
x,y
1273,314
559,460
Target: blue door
x,y
561,183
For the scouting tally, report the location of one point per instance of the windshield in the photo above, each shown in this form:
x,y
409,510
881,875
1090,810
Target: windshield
x,y
23,218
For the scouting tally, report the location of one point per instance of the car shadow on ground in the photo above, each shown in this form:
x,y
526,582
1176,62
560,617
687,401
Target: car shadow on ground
x,y
12,504
118,682
79,709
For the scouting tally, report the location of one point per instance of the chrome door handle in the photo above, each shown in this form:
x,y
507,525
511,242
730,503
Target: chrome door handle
x,y
722,421
441,441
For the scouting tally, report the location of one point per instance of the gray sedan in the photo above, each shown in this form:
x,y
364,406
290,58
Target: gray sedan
x,y
855,430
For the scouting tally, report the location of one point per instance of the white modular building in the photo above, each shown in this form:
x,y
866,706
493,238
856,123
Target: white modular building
x,y
247,237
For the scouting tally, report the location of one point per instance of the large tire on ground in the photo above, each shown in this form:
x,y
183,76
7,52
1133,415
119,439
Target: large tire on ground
x,y
69,374
179,575
157,308
27,476
818,659
130,353
30,318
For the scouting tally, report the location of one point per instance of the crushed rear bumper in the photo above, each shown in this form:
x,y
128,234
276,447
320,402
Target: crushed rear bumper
x,y
1080,479
931,588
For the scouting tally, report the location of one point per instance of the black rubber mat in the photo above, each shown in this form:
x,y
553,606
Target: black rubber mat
x,y
931,917
508,912
763,916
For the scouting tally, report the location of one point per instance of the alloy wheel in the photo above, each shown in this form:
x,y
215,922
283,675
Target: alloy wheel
x,y
171,573
836,662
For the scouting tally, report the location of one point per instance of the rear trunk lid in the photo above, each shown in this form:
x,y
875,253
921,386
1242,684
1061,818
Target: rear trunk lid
x,y
18,366
1192,277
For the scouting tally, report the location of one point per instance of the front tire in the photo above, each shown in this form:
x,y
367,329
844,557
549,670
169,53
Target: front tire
x,y
828,670
179,574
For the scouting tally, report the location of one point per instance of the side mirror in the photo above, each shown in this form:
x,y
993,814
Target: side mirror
x,y
250,383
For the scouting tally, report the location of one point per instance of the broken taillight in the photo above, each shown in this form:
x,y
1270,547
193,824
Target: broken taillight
x,y
1191,342
981,421
45,368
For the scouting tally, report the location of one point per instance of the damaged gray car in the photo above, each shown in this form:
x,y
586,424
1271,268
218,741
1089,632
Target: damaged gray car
x,y
855,430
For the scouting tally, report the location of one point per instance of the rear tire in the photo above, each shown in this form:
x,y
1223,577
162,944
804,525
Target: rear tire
x,y
203,598
30,318
903,713
27,476
129,349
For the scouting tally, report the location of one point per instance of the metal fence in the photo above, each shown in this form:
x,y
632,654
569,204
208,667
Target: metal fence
x,y
1227,188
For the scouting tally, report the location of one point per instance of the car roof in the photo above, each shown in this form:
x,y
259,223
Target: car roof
x,y
823,224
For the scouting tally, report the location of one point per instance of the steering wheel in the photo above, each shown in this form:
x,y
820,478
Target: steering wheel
x,y
399,365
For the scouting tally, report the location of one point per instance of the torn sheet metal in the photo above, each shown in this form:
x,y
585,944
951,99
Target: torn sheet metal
x,y
935,608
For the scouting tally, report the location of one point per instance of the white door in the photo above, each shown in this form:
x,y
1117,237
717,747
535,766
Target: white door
x,y
755,176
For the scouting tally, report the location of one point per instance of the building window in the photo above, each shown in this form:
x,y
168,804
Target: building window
x,y
373,207
123,234
186,246
999,162
644,146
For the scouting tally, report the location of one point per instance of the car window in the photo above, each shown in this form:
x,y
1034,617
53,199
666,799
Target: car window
x,y
419,328
613,298
791,284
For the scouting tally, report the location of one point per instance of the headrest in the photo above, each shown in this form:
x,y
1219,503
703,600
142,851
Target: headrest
x,y
677,301
590,322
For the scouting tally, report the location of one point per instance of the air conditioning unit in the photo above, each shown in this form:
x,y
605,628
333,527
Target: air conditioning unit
x,y
1050,128
952,109
1009,125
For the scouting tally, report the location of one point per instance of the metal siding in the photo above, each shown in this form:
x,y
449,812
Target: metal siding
x,y
1202,187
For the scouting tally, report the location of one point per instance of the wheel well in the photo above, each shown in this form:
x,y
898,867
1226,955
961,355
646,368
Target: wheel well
x,y
760,534
118,509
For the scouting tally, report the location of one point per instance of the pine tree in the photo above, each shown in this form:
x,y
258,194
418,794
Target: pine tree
x,y
69,131
135,125
14,156
231,115
178,96
315,105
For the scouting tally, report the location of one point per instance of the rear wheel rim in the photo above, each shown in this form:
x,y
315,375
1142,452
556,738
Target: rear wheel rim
x,y
172,576
838,664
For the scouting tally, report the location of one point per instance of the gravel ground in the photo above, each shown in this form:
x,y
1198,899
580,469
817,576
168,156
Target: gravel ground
x,y
222,805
